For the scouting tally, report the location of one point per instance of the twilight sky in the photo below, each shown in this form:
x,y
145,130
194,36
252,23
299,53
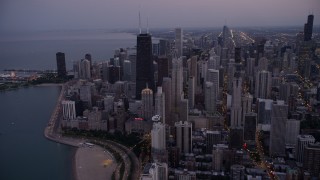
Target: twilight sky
x,y
21,15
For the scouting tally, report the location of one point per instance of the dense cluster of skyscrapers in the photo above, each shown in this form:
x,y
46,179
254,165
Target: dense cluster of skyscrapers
x,y
211,108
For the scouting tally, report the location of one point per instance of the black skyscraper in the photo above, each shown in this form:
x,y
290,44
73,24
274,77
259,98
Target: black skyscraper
x,y
144,64
61,65
114,74
308,28
163,69
237,54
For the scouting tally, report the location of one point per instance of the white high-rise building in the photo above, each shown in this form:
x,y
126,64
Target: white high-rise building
x,y
236,108
179,41
155,171
263,84
160,104
68,110
302,143
279,117
147,103
191,91
210,98
158,137
184,136
127,75
213,76
177,82
85,69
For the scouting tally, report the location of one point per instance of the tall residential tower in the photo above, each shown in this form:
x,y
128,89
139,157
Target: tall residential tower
x,y
61,64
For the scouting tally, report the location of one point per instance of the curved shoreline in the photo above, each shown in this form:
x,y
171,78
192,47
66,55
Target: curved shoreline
x,y
92,166
53,124
52,136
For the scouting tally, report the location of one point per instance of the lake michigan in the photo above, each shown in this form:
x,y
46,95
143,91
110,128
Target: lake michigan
x,y
37,50
24,113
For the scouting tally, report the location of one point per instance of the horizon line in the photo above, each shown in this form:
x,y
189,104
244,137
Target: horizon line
x,y
153,28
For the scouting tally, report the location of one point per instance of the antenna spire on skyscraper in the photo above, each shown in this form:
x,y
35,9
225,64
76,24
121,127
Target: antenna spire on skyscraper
x,y
147,25
139,23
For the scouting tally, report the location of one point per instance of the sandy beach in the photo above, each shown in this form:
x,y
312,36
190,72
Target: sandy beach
x,y
89,162
93,163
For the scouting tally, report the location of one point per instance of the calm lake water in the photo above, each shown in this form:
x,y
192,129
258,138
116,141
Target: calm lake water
x,y
38,50
24,151
24,113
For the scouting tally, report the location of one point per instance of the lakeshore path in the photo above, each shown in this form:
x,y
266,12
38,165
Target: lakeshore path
x,y
50,131
49,84
129,158
89,159
90,162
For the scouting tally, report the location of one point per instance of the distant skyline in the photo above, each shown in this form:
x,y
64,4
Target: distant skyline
x,y
20,15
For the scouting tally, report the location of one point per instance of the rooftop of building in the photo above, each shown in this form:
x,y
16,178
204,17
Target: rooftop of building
x,y
213,132
314,146
305,136
146,91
